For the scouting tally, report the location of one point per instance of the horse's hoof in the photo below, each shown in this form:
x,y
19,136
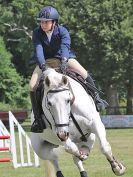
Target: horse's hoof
x,y
119,169
83,174
59,174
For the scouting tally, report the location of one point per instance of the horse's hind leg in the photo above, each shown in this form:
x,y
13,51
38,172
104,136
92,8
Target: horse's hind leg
x,y
99,129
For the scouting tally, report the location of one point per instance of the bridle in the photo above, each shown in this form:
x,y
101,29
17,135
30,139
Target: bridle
x,y
56,91
83,136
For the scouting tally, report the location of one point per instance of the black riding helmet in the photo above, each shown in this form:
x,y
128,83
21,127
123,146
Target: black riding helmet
x,y
48,13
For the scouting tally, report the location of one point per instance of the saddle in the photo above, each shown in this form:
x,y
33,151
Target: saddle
x,y
72,74
77,77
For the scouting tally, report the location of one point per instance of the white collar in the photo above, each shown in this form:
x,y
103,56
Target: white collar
x,y
49,35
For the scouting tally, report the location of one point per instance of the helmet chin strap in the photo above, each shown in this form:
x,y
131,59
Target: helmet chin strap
x,y
52,27
54,22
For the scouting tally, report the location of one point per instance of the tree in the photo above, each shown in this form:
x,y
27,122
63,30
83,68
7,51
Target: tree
x,y
101,34
127,66
18,19
12,90
100,42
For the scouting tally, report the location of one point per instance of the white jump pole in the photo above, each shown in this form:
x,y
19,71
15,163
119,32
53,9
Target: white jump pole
x,y
21,133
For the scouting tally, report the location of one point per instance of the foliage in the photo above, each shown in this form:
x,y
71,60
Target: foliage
x,y
12,88
103,36
101,31
98,32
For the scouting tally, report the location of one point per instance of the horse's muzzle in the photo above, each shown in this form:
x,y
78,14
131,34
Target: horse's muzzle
x,y
63,135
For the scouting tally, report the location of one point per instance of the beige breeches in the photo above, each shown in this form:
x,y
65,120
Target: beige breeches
x,y
54,63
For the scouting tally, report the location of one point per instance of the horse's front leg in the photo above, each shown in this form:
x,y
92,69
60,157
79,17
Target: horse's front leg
x,y
79,164
99,130
84,147
73,149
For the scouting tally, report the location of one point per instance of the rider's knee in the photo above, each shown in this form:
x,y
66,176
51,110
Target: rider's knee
x,y
73,63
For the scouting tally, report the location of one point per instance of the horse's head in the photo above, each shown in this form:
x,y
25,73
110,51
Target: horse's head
x,y
58,101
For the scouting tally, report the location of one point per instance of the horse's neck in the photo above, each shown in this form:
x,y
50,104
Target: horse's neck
x,y
78,90
83,102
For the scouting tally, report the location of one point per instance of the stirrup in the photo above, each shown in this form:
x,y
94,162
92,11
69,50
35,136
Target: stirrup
x,y
100,103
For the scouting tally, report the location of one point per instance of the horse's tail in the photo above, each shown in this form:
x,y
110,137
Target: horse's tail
x,y
49,170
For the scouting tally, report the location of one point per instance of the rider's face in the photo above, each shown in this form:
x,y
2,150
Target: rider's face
x,y
47,25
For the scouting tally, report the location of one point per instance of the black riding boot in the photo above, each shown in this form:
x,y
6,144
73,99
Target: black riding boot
x,y
100,103
38,124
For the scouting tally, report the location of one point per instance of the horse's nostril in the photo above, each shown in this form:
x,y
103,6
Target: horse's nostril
x,y
63,135
67,134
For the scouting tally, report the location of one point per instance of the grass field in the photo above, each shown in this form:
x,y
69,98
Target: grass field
x,y
121,141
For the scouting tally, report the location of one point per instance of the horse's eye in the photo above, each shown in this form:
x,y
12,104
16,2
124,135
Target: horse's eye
x,y
68,101
49,103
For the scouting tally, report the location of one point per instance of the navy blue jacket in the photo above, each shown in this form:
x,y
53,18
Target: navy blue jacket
x,y
59,46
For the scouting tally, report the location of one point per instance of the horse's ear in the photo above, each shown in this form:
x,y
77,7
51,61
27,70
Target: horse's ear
x,y
47,82
64,80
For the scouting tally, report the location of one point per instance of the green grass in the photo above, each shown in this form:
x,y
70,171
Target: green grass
x,y
121,141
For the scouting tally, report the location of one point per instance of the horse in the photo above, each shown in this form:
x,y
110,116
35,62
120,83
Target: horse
x,y
72,123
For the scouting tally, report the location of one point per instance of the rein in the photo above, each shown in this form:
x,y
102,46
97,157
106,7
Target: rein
x,y
83,137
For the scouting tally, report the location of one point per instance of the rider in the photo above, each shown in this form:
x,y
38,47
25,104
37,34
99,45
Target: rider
x,y
52,40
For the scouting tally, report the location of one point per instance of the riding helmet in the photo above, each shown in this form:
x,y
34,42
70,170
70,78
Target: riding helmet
x,y
48,13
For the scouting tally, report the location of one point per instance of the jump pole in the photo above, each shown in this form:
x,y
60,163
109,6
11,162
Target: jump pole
x,y
4,149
